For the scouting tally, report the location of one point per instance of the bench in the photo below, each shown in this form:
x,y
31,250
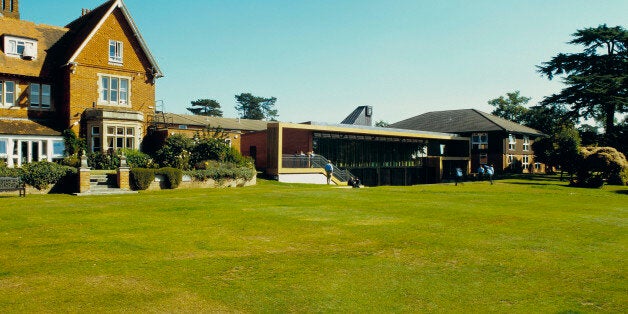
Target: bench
x,y
12,184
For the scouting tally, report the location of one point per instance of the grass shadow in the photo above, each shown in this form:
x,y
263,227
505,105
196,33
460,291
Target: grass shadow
x,y
622,192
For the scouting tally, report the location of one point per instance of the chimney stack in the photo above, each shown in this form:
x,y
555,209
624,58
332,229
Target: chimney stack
x,y
10,9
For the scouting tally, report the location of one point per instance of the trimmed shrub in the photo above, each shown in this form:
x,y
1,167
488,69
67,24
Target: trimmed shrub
x,y
42,174
173,176
218,171
599,164
141,178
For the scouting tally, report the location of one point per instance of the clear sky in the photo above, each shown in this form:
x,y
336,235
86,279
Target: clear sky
x,y
323,58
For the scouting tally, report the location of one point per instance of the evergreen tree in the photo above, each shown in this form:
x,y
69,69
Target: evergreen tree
x,y
205,107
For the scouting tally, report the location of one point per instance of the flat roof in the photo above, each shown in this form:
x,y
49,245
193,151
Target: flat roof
x,y
370,130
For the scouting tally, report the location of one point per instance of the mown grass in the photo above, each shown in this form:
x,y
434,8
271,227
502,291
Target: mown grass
x,y
517,246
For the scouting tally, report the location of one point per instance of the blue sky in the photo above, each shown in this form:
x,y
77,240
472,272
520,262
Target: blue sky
x,y
322,58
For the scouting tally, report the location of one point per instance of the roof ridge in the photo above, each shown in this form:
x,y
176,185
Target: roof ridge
x,y
484,115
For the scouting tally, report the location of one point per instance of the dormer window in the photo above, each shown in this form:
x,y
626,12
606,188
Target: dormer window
x,y
115,52
20,47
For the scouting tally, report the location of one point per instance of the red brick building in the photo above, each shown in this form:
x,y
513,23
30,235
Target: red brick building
x,y
95,76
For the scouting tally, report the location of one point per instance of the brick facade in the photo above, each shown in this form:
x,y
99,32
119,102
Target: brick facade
x,y
75,62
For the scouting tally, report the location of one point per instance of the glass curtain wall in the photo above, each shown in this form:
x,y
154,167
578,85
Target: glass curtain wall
x,y
355,151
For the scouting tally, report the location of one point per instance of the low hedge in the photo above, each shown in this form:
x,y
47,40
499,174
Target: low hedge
x,y
173,176
141,178
222,171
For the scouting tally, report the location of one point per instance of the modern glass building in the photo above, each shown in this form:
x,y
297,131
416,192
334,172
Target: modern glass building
x,y
378,156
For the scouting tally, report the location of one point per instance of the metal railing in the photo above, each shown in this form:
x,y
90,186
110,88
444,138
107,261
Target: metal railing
x,y
314,161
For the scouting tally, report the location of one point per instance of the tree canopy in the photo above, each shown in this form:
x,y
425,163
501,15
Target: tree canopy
x,y
596,78
206,107
256,108
512,107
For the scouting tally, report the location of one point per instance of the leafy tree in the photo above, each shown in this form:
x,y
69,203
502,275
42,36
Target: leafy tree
x,y
512,107
597,77
382,124
205,107
559,149
256,108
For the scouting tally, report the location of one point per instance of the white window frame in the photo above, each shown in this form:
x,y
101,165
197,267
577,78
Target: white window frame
x,y
37,100
525,161
105,90
512,142
479,140
120,132
510,159
116,52
6,148
4,91
15,46
526,143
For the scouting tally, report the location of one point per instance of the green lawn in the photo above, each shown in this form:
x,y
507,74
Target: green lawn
x,y
517,246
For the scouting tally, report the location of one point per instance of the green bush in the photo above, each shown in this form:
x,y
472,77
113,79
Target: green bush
x,y
71,161
219,171
208,149
9,172
42,174
175,153
103,161
135,158
141,178
173,176
599,164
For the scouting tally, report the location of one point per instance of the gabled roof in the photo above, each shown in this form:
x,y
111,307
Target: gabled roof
x,y
88,25
462,121
213,122
358,117
58,46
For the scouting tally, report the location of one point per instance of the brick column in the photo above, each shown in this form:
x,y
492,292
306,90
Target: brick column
x,y
123,178
84,176
123,174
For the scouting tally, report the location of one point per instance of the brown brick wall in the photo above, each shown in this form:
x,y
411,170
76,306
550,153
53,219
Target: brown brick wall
x,y
296,141
94,60
259,140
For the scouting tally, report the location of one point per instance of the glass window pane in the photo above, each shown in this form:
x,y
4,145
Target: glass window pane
x,y
45,96
114,89
124,85
34,95
105,88
112,50
1,92
129,131
129,143
57,148
10,92
119,142
120,131
44,148
111,130
95,130
3,147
